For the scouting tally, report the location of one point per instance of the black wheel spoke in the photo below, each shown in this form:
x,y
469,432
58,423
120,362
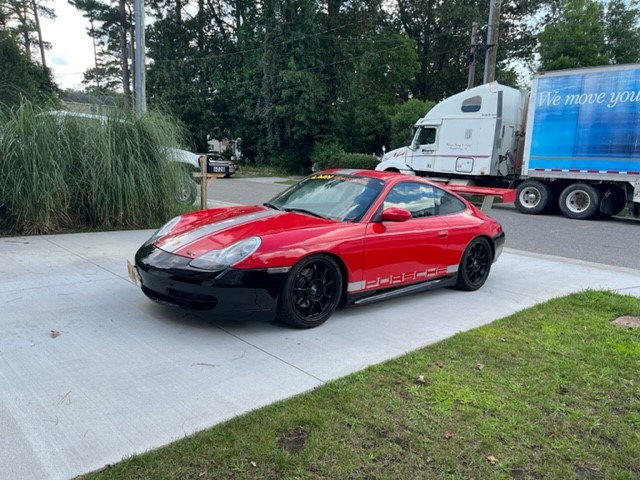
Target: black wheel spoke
x,y
477,263
314,289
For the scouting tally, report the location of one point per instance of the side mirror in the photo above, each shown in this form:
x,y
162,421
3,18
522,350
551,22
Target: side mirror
x,y
395,214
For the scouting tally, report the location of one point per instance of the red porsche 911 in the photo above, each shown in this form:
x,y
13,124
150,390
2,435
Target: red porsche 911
x,y
336,237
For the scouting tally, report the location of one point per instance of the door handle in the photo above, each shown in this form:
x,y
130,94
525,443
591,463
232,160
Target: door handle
x,y
424,150
443,233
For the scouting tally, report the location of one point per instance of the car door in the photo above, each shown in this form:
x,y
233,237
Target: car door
x,y
398,253
425,146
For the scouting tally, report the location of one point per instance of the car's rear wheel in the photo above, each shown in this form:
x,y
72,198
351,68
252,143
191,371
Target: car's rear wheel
x,y
311,292
475,265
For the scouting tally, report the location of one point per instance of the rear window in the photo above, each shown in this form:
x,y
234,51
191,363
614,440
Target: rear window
x,y
472,104
447,203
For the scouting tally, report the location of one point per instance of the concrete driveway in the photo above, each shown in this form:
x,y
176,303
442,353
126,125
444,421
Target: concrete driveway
x,y
125,375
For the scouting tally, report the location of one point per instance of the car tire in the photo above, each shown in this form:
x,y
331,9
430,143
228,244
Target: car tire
x,y
533,197
580,201
311,292
187,190
475,265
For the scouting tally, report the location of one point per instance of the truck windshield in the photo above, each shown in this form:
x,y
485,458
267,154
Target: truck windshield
x,y
329,195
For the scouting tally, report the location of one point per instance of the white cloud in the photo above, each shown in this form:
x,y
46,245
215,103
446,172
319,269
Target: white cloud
x,y
72,49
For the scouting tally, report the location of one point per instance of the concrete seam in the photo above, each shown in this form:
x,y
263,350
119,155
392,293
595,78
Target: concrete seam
x,y
270,354
87,260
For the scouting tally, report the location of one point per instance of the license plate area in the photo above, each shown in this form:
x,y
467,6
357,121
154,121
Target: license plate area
x,y
134,276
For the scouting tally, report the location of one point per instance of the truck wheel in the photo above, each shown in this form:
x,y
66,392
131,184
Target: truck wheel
x,y
533,197
187,190
580,201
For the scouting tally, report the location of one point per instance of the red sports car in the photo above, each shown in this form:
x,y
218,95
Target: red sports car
x,y
336,237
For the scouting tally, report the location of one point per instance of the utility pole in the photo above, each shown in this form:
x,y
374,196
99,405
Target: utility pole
x,y
141,99
472,56
492,42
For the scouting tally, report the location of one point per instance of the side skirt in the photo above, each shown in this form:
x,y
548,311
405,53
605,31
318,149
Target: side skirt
x,y
363,298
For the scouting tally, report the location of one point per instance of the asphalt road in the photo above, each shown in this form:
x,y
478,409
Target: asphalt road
x,y
611,242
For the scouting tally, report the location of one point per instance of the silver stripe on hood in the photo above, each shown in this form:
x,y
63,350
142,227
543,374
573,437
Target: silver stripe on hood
x,y
191,236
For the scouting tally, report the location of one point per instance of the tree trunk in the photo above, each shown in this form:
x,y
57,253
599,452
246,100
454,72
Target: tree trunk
x,y
27,38
36,17
124,57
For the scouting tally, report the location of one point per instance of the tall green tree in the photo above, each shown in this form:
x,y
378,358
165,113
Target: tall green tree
x,y
623,31
111,28
23,18
20,77
441,31
576,38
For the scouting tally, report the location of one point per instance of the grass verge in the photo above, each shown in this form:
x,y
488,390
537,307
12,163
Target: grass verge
x,y
249,170
550,392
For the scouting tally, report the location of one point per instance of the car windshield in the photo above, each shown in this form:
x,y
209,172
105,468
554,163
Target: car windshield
x,y
330,195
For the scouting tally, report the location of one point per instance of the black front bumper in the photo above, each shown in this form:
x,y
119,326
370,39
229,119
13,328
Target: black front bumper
x,y
168,279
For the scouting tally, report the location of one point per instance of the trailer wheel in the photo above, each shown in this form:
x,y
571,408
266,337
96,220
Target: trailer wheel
x,y
580,201
533,197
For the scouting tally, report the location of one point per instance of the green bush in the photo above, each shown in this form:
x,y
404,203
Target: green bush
x,y
65,172
404,117
329,154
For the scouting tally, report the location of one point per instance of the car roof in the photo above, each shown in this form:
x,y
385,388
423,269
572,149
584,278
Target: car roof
x,y
387,177
382,175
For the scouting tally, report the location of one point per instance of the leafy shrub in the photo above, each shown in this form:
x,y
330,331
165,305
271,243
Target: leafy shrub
x,y
329,154
59,172
406,115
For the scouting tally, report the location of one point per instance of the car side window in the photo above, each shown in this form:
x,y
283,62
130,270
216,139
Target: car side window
x,y
447,203
418,198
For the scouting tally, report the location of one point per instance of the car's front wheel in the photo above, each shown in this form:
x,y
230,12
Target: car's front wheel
x,y
311,292
475,265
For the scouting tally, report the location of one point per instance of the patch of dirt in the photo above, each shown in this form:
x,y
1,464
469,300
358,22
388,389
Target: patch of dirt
x,y
588,472
293,441
627,322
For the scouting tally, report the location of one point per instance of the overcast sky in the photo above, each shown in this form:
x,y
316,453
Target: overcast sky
x,y
72,50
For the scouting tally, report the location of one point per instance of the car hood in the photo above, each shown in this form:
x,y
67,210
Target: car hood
x,y
200,232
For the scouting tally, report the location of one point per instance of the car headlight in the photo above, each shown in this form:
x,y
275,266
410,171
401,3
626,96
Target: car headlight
x,y
163,230
221,259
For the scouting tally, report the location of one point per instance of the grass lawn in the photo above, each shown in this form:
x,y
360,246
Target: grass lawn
x,y
247,170
550,392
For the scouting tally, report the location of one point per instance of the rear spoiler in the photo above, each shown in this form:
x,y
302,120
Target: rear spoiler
x,y
507,195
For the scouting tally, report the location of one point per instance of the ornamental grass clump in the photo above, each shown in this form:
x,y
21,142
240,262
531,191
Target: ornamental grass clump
x,y
61,171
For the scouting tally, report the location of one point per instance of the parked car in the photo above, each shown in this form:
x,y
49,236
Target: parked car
x,y
336,237
216,163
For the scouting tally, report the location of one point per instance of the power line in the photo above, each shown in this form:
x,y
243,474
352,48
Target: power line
x,y
302,37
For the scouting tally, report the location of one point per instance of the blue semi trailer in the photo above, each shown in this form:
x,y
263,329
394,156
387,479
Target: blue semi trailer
x,y
573,143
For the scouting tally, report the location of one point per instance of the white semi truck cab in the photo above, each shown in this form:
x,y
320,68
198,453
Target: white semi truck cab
x,y
574,142
473,133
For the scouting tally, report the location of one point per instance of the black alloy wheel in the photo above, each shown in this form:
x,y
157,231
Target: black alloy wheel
x,y
475,265
311,292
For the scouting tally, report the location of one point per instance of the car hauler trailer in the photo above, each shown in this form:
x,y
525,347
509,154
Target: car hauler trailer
x,y
573,142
